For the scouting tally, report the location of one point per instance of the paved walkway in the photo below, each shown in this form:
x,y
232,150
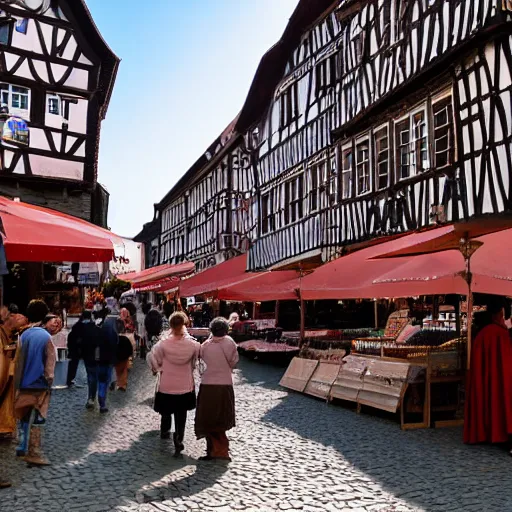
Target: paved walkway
x,y
290,452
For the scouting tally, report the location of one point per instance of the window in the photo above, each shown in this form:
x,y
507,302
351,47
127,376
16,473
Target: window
x,y
386,23
315,174
442,112
289,106
411,136
381,138
420,141
363,166
358,42
293,200
325,75
54,105
15,97
399,13
19,97
267,215
6,24
346,172
402,136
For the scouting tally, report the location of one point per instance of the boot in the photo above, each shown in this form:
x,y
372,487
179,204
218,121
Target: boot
x,y
24,438
35,455
178,444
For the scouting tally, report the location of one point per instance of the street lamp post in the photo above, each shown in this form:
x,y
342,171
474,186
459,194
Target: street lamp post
x,y
468,247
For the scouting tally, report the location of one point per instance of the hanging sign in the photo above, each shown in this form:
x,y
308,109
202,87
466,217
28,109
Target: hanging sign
x,y
15,129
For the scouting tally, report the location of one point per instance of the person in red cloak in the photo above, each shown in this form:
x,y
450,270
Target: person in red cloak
x,y
488,414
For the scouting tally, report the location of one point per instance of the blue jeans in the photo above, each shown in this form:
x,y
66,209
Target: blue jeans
x,y
98,380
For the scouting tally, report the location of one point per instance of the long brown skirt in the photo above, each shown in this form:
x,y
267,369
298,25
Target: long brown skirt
x,y
215,409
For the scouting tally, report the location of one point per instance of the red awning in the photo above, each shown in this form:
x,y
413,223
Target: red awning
x,y
211,280
359,276
444,238
267,286
156,278
490,269
32,233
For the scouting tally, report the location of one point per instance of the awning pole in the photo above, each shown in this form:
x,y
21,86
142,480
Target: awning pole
x,y
470,325
468,248
276,311
376,312
302,321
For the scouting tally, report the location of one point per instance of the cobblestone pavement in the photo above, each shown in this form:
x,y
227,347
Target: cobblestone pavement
x,y
290,452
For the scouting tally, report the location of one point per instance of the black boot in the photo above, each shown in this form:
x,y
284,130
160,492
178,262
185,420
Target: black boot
x,y
165,427
178,444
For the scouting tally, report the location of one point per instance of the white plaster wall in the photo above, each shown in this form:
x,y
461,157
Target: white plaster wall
x,y
55,168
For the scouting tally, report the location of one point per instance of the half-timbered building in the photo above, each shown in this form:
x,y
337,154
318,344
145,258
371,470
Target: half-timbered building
x,y
386,116
56,78
369,118
209,216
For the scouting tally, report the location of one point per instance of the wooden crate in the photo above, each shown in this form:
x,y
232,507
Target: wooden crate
x,y
298,374
350,378
322,380
384,384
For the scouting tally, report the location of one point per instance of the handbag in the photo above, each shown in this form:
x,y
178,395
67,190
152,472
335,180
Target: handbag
x,y
157,387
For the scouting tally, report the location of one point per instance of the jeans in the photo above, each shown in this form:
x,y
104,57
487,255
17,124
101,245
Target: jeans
x,y
98,380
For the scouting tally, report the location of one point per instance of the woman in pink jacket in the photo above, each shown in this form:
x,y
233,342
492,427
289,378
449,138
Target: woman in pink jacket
x,y
215,413
174,359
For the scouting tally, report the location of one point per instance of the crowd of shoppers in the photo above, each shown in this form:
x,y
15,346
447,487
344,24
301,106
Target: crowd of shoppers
x,y
105,343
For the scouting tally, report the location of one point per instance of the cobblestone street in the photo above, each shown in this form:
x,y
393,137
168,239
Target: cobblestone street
x,y
290,452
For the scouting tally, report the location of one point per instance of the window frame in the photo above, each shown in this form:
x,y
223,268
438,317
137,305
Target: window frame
x,y
414,150
347,147
8,24
326,72
366,163
377,153
398,145
267,216
289,106
57,98
294,199
314,198
16,111
443,97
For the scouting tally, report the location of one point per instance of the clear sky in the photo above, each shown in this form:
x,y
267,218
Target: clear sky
x,y
186,69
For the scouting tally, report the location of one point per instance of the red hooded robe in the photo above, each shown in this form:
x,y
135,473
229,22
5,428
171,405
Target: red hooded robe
x,y
488,415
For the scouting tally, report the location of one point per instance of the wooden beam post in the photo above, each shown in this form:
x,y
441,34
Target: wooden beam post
x,y
276,312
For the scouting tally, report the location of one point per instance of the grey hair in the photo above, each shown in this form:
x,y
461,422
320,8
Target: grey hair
x,y
219,327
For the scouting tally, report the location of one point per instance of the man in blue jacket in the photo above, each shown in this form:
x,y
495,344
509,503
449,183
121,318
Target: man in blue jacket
x,y
35,374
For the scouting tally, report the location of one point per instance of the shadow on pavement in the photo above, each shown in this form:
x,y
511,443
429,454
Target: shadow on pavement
x,y
431,469
101,462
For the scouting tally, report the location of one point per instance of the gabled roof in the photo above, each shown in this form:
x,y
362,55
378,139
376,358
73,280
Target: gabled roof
x,y
219,144
270,71
110,61
272,65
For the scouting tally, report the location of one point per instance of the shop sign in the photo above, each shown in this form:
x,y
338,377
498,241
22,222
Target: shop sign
x,y
90,279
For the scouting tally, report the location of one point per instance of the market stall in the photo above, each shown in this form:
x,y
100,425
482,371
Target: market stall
x,y
37,242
